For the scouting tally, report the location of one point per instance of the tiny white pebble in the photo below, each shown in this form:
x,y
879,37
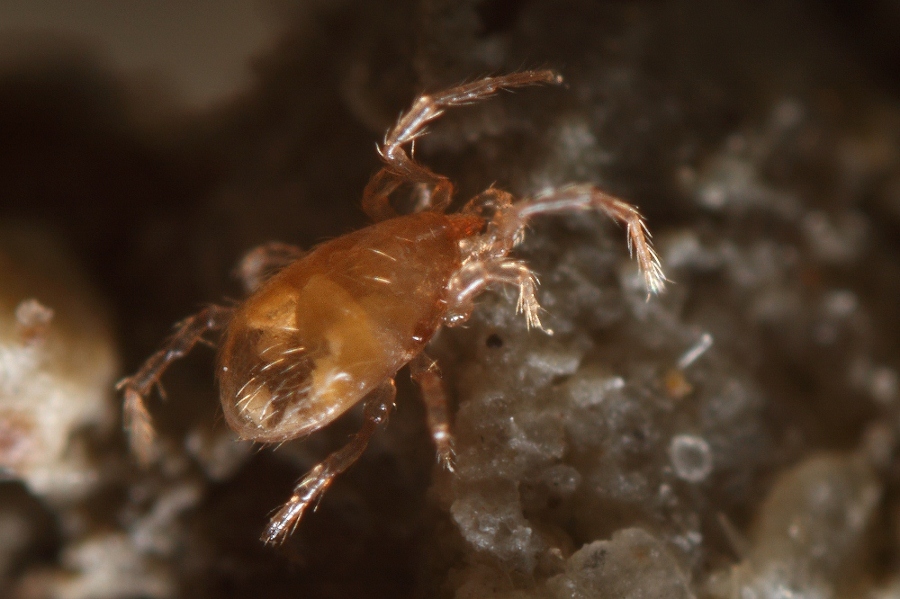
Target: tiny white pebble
x,y
691,457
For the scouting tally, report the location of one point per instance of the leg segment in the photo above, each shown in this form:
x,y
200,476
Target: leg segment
x,y
376,201
477,275
488,202
510,223
137,387
262,262
400,168
425,372
310,487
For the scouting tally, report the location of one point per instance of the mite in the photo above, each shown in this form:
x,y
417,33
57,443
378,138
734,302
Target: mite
x,y
331,327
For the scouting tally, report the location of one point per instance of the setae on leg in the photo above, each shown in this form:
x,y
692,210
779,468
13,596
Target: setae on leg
x,y
137,419
377,409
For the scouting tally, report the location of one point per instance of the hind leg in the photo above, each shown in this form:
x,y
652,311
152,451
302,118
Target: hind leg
x,y
264,261
426,373
136,387
311,487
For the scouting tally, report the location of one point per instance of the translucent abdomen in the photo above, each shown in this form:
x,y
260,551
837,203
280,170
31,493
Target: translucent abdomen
x,y
325,331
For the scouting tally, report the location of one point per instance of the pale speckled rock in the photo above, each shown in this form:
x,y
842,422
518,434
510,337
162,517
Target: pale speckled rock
x,y
631,565
813,533
58,363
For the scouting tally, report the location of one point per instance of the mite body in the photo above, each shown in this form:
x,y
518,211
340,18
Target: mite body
x,y
332,327
328,329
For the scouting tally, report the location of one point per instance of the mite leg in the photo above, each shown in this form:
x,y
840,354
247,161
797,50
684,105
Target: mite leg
x,y
310,487
264,261
137,387
376,201
510,223
488,202
401,168
477,275
425,372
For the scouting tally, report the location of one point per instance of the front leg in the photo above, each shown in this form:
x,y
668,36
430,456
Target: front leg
x,y
511,221
378,407
478,274
138,422
400,167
